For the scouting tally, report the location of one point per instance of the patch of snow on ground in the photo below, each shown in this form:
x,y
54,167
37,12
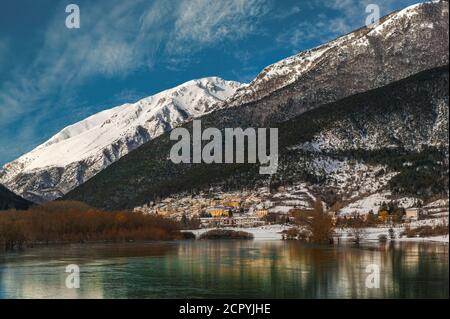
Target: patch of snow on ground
x,y
365,205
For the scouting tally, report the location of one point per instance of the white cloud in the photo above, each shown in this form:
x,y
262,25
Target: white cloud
x,y
284,14
116,38
205,22
69,57
344,16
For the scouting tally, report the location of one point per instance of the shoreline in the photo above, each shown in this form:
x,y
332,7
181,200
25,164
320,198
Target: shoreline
x,y
267,233
273,233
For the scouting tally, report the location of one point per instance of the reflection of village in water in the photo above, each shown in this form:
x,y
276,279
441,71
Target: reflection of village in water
x,y
230,269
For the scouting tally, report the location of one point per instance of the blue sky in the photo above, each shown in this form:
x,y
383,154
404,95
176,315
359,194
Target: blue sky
x,y
51,76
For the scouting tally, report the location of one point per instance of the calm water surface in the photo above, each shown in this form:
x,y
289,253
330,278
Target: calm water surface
x,y
227,269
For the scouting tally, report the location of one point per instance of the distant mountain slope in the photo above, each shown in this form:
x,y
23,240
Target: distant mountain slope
x,y
81,150
9,200
389,125
405,43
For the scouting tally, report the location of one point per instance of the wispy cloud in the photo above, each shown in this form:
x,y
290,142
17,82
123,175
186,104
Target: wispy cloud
x,y
205,21
127,96
67,58
342,17
284,14
117,38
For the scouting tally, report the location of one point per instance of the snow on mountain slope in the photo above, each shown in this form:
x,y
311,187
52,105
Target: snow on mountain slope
x,y
404,43
81,150
347,135
374,201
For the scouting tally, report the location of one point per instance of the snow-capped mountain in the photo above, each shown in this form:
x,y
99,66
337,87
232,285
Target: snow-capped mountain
x,y
402,44
81,150
365,113
393,138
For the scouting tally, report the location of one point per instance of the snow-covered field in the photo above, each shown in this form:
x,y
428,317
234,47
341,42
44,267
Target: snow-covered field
x,y
273,232
372,234
438,239
374,201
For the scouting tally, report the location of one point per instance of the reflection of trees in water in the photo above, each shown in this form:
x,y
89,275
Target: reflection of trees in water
x,y
414,264
307,271
339,271
237,269
314,261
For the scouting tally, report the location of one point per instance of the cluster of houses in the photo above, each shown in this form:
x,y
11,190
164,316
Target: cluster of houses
x,y
409,215
254,208
250,208
213,209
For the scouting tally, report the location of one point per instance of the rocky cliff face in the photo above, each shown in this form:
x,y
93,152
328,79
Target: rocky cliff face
x,y
80,151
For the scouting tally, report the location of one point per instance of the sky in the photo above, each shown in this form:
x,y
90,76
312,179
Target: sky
x,y
52,76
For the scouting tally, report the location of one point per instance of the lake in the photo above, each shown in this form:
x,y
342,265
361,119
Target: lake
x,y
227,269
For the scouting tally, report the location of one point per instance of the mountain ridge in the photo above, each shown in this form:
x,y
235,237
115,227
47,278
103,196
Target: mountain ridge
x,y
403,44
81,150
411,104
406,42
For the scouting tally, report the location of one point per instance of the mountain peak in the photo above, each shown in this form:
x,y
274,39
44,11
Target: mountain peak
x,y
405,43
416,37
79,151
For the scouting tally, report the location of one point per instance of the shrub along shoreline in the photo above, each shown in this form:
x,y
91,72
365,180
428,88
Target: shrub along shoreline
x,y
227,234
74,222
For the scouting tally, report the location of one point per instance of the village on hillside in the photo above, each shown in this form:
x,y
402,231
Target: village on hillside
x,y
260,208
